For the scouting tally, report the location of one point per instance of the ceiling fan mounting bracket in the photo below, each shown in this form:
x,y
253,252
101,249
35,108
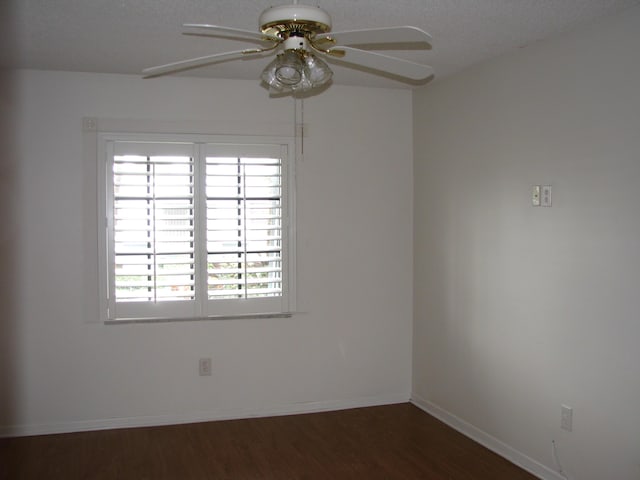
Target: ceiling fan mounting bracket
x,y
287,20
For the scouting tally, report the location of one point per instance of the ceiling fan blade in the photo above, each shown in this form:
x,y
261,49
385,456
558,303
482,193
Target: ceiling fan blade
x,y
377,36
233,32
384,63
196,62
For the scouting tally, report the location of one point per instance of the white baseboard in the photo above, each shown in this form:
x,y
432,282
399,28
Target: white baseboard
x,y
514,456
194,417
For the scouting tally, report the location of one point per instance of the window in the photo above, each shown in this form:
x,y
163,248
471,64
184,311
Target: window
x,y
196,227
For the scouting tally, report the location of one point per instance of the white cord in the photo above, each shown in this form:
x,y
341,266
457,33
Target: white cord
x,y
554,453
298,127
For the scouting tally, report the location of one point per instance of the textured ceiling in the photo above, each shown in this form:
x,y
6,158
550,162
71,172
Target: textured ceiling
x,y
125,36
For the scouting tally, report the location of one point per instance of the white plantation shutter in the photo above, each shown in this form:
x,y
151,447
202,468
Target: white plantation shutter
x,y
196,229
245,205
244,227
152,229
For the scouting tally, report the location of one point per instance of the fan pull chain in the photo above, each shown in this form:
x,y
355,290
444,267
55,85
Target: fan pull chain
x,y
298,126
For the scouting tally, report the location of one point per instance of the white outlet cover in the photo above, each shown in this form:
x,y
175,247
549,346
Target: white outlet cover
x,y
204,367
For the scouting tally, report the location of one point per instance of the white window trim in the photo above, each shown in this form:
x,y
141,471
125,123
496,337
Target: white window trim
x,y
240,309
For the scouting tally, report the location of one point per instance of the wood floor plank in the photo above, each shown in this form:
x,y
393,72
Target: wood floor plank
x,y
387,442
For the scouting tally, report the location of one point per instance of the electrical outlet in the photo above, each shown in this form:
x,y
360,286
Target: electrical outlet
x,y
204,367
566,418
545,195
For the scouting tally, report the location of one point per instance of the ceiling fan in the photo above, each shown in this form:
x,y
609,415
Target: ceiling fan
x,y
299,35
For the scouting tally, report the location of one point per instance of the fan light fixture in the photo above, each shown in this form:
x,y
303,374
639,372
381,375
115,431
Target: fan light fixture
x,y
296,71
301,35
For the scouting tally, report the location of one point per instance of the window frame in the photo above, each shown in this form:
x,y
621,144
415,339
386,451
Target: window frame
x,y
201,307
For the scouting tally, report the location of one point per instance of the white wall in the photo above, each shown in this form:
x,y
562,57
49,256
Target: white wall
x,y
349,346
520,309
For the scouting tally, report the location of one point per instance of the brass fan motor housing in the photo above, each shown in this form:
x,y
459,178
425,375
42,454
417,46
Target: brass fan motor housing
x,y
295,20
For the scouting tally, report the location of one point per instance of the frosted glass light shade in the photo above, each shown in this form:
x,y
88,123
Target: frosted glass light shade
x,y
296,71
317,71
289,68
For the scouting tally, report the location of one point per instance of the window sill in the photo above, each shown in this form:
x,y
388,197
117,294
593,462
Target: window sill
x,y
128,321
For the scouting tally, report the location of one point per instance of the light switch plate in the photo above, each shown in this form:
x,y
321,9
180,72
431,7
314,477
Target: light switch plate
x,y
535,196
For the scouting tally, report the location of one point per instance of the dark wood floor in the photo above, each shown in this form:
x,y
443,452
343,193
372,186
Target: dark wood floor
x,y
389,442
